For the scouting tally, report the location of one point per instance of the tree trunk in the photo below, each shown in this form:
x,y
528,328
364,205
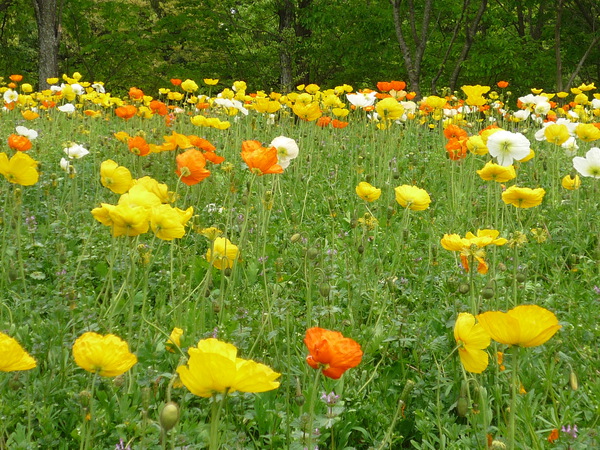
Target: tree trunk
x,y
559,86
470,33
48,14
285,11
412,62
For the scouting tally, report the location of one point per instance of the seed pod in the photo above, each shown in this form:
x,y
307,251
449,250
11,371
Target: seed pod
x,y
169,416
312,253
295,237
324,289
464,288
573,381
488,291
520,277
462,406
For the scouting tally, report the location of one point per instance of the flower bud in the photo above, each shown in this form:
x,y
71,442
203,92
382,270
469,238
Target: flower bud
x,y
295,237
169,416
324,289
573,381
312,253
464,288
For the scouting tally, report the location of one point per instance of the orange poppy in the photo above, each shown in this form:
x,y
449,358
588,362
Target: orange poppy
x,y
19,143
48,104
126,112
398,85
158,107
260,160
191,167
455,132
175,81
16,78
323,121
384,86
457,149
338,123
135,93
502,84
331,352
553,436
138,146
208,150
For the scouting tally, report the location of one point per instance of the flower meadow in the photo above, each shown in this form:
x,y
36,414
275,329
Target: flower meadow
x,y
213,267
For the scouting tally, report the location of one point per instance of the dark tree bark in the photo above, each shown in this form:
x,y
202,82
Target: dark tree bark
x,y
470,33
48,15
557,26
412,59
285,11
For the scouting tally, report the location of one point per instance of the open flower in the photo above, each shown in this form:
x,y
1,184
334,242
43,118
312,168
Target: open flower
x,y
168,223
507,147
525,325
114,177
138,146
590,165
14,357
19,143
191,167
20,169
108,355
76,151
213,367
222,253
472,339
495,172
260,160
331,352
287,149
174,340
475,94
570,182
367,192
523,197
412,197
471,246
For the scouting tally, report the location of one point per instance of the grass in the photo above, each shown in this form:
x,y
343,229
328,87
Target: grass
x,y
306,260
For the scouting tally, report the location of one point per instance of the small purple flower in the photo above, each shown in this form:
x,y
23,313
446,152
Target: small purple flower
x,y
121,445
330,399
215,332
263,259
572,431
597,290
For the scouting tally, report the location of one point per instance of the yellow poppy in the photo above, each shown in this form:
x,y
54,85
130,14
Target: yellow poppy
x,y
525,325
472,339
367,192
222,253
107,355
174,340
20,169
114,177
495,172
14,357
412,197
213,367
523,197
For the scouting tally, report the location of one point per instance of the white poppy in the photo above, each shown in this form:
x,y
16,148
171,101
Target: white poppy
x,y
76,151
590,165
287,149
507,147
68,108
24,131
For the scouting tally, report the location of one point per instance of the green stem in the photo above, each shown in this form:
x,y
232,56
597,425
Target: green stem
x,y
513,399
215,419
311,407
